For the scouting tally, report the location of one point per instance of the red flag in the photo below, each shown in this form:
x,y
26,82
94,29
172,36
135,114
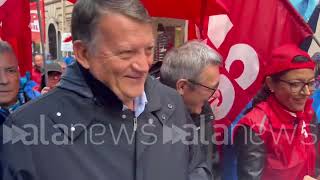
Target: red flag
x,y
183,9
245,39
72,1
15,19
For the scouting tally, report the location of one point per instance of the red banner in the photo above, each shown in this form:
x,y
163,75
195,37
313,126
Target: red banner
x,y
15,20
245,39
72,1
35,23
186,9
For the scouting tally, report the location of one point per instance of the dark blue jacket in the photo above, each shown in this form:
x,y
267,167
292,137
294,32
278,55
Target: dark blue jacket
x,y
81,126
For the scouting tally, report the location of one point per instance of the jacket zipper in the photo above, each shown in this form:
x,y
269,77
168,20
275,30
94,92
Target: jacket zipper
x,y
135,124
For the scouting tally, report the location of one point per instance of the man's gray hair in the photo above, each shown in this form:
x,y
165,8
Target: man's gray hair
x,y
187,62
86,15
5,48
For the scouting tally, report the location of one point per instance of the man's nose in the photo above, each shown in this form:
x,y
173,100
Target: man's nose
x,y
143,62
3,78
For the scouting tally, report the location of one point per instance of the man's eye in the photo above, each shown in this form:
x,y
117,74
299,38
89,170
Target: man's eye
x,y
150,49
126,54
128,51
12,70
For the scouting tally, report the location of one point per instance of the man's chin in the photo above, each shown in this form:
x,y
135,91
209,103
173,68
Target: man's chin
x,y
196,111
6,102
134,92
135,81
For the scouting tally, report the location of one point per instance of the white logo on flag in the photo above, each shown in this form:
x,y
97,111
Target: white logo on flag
x,y
218,28
34,23
303,130
2,2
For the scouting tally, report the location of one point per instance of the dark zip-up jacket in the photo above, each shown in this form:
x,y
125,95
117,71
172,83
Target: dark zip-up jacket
x,y
79,131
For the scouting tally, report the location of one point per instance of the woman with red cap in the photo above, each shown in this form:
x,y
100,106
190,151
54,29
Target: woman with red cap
x,y
276,139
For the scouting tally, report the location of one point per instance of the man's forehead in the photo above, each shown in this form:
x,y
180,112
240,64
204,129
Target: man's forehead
x,y
115,24
119,43
38,57
8,60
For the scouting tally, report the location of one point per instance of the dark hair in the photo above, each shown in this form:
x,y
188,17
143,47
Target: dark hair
x,y
86,15
265,92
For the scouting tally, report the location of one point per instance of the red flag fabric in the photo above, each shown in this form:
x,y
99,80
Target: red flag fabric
x,y
15,19
183,9
72,1
68,39
245,39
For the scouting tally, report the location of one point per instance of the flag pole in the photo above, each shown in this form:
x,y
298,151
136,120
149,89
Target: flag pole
x,y
42,42
316,40
203,13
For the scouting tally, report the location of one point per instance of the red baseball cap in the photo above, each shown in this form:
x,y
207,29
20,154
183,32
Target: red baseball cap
x,y
282,60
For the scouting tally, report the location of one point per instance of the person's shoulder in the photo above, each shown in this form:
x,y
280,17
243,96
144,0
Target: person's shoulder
x,y
163,89
255,116
166,94
42,105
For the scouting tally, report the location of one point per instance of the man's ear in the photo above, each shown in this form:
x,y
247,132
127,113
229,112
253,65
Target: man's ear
x,y
181,86
81,53
270,84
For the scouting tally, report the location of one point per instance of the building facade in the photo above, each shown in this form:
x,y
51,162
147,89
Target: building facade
x,y
58,21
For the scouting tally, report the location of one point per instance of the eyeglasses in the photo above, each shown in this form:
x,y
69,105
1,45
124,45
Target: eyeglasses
x,y
298,86
54,75
211,90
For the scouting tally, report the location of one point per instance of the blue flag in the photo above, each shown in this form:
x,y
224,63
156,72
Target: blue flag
x,y
305,7
316,103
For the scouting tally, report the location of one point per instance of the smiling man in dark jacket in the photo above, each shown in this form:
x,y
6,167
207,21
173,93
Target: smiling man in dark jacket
x,y
107,120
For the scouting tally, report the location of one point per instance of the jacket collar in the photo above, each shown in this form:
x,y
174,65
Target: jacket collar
x,y
74,81
95,94
284,116
279,116
152,93
81,81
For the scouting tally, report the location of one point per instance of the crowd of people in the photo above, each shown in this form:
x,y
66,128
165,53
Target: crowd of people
x,y
105,117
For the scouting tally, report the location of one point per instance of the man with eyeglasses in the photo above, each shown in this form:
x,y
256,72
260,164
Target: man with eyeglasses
x,y
193,70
